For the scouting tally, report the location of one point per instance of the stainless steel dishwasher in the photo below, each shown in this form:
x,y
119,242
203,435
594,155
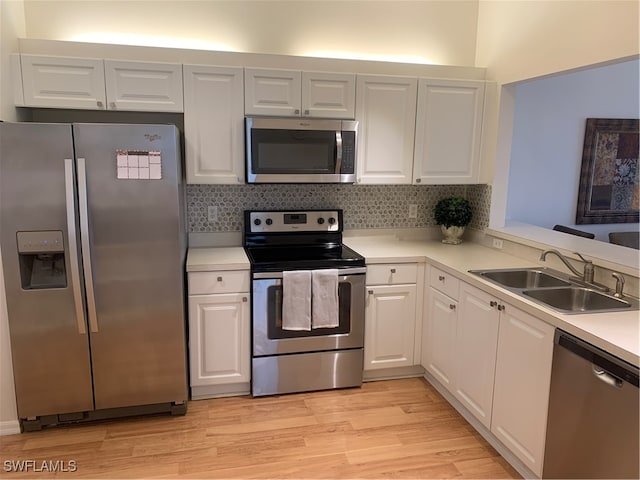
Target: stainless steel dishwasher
x,y
592,426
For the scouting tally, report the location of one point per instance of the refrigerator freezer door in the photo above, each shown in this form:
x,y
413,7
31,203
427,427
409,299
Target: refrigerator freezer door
x,y
49,342
136,236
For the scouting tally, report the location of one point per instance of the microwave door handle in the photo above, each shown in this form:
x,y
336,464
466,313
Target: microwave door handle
x,y
338,152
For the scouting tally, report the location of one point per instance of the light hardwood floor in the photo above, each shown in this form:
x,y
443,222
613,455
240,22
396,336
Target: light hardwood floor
x,y
387,429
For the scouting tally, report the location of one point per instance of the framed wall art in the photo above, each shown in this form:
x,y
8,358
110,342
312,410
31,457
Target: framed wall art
x,y
608,191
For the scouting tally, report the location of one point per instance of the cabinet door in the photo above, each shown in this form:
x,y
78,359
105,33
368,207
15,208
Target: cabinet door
x,y
448,129
214,124
143,86
328,95
272,92
63,82
440,337
386,112
476,344
521,390
219,342
390,326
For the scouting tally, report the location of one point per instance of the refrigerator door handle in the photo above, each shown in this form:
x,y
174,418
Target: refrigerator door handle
x,y
86,250
73,245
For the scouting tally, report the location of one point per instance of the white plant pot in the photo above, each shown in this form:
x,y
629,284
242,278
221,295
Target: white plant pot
x,y
452,235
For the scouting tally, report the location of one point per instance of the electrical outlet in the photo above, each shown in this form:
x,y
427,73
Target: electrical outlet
x,y
212,214
497,243
413,210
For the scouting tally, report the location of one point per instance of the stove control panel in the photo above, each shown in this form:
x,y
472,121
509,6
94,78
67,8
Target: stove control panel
x,y
294,221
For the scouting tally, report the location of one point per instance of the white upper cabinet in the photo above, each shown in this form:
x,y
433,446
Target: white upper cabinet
x,y
63,82
328,95
214,124
143,86
386,112
96,84
448,131
292,93
272,92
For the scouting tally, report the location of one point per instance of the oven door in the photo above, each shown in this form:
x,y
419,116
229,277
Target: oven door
x,y
270,339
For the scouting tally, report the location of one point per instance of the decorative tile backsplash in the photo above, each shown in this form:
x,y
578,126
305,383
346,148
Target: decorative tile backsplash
x,y
365,206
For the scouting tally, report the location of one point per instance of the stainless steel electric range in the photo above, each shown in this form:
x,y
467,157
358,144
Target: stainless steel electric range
x,y
296,258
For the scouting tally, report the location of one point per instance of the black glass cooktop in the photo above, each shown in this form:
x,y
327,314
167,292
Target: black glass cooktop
x,y
301,257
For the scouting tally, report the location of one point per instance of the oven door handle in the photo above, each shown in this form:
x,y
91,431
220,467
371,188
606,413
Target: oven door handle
x,y
341,272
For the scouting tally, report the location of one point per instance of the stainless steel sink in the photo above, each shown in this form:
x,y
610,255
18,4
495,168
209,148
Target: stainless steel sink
x,y
522,278
577,299
556,290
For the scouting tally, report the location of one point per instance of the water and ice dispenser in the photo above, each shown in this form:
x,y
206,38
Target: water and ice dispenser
x,y
42,263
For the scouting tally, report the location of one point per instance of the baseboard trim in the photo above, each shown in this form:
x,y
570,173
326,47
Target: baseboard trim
x,y
9,427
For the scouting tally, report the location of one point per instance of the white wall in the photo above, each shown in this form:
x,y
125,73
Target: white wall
x,y
12,26
519,40
548,135
440,32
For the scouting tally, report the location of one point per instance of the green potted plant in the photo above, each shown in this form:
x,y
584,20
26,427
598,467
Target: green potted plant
x,y
453,214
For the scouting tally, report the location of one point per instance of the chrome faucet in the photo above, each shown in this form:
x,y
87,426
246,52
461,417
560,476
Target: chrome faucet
x,y
619,284
585,276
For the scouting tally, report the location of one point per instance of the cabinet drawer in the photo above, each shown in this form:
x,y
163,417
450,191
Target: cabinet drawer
x,y
392,274
444,282
218,282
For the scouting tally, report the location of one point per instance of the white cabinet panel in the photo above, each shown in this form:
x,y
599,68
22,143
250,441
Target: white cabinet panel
x,y
521,391
392,274
390,326
219,339
63,82
476,343
328,95
293,93
386,112
445,282
143,86
214,124
440,338
448,131
233,281
272,92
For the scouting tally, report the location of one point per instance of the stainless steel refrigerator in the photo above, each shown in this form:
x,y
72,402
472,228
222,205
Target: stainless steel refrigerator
x,y
93,249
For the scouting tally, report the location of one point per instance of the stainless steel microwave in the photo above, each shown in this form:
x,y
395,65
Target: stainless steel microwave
x,y
300,150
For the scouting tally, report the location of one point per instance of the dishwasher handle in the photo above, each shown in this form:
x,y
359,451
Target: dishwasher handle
x,y
605,377
606,367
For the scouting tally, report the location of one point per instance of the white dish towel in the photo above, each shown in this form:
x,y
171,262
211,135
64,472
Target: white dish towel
x,y
324,304
296,300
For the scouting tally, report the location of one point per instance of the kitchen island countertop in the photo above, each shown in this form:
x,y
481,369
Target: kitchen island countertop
x,y
617,333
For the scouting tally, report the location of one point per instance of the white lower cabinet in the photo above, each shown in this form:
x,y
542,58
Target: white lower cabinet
x,y
476,342
219,334
440,338
391,316
521,388
494,359
390,326
460,342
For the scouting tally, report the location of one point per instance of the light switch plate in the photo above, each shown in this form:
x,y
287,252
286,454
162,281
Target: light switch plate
x,y
413,210
212,214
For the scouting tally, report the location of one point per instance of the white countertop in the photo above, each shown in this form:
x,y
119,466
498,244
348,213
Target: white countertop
x,y
205,259
617,333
